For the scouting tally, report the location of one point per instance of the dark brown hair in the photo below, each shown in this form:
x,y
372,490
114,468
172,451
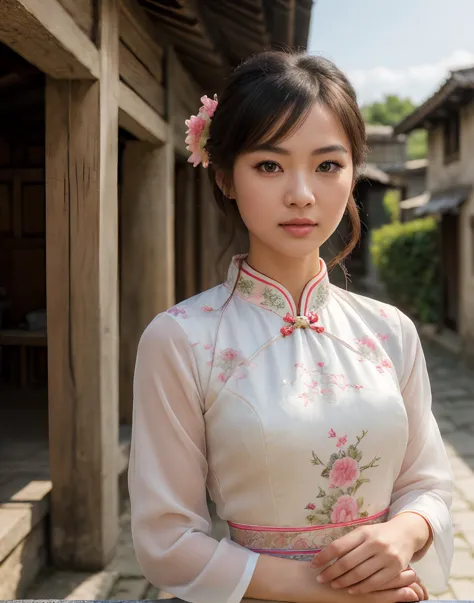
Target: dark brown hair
x,y
265,99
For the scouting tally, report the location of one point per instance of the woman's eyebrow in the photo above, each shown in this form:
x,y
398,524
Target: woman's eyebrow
x,y
332,148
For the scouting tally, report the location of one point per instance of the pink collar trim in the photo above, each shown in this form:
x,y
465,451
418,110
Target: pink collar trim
x,y
258,289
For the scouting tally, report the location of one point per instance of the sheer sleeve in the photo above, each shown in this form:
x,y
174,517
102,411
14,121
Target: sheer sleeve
x,y
425,482
171,525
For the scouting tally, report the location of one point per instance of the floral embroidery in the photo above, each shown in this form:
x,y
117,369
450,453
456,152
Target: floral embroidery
x,y
273,299
320,297
383,314
245,286
177,311
338,503
382,337
320,383
369,349
207,309
231,362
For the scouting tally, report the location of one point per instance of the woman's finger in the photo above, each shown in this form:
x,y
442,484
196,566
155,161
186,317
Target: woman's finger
x,y
398,595
345,564
359,573
405,578
377,581
338,549
425,590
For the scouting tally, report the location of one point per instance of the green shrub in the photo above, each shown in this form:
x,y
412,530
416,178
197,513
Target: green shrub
x,y
407,258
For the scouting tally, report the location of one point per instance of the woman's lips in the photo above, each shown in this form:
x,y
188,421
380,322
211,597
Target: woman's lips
x,y
298,229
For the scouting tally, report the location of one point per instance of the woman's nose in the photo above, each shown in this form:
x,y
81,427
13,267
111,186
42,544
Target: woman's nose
x,y
299,193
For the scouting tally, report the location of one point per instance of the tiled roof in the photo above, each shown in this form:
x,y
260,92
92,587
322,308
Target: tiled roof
x,y
458,89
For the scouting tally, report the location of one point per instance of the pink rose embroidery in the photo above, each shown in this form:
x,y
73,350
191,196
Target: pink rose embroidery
x,y
344,473
368,342
229,354
382,337
383,314
207,309
223,377
345,509
386,364
321,364
177,312
341,441
300,544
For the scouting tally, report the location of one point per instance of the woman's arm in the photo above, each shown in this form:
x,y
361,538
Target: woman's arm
x,y
277,579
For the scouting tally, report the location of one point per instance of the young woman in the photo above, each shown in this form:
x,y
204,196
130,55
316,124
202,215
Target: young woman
x,y
304,409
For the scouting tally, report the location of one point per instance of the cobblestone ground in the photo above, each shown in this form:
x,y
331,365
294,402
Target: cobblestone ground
x,y
453,406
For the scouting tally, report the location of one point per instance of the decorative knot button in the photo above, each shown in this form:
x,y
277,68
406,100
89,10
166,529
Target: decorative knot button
x,y
301,322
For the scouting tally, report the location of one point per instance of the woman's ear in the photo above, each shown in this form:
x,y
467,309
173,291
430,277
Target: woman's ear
x,y
224,186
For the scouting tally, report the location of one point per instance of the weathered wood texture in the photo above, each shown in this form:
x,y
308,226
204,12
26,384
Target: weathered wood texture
x,y
46,35
209,236
82,11
182,99
147,250
138,118
140,36
186,231
137,76
82,288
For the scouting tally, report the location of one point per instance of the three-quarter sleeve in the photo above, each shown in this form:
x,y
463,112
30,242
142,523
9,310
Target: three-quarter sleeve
x,y
171,525
425,481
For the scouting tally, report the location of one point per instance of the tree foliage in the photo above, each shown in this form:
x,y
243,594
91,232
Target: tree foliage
x,y
407,259
390,112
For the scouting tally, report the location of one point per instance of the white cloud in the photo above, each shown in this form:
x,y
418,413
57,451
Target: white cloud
x,y
417,82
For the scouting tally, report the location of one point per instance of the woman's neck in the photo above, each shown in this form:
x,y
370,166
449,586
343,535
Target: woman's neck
x,y
292,273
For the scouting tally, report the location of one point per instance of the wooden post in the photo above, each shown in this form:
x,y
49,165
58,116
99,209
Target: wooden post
x,y
147,250
209,239
81,193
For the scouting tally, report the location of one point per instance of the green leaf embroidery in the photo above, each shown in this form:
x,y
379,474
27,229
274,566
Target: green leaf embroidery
x,y
360,501
245,286
273,299
316,460
321,493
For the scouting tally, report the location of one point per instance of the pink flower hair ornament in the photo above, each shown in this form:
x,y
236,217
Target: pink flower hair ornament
x,y
198,131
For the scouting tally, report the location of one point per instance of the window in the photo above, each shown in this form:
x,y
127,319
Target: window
x,y
452,130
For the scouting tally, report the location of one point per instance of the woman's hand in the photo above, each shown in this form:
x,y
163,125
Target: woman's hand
x,y
370,557
404,588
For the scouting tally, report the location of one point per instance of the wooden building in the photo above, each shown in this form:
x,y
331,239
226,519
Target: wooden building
x,y
448,116
103,224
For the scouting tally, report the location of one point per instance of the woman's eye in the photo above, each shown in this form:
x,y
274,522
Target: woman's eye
x,y
269,167
329,166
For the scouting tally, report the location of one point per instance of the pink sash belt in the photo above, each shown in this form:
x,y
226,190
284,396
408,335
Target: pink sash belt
x,y
296,543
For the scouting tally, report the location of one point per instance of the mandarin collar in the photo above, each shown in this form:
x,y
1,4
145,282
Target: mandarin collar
x,y
259,289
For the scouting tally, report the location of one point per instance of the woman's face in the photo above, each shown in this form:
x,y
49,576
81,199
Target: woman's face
x,y
292,196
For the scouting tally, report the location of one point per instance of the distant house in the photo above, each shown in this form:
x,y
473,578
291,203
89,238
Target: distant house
x,y
412,182
448,116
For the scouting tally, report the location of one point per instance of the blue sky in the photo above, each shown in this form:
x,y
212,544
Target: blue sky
x,y
404,47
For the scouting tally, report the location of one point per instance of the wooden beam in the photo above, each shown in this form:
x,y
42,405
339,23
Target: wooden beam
x,y
82,292
140,35
147,250
45,34
136,75
82,11
138,118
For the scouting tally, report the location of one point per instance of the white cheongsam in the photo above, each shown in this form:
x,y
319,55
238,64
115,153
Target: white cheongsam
x,y
303,423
